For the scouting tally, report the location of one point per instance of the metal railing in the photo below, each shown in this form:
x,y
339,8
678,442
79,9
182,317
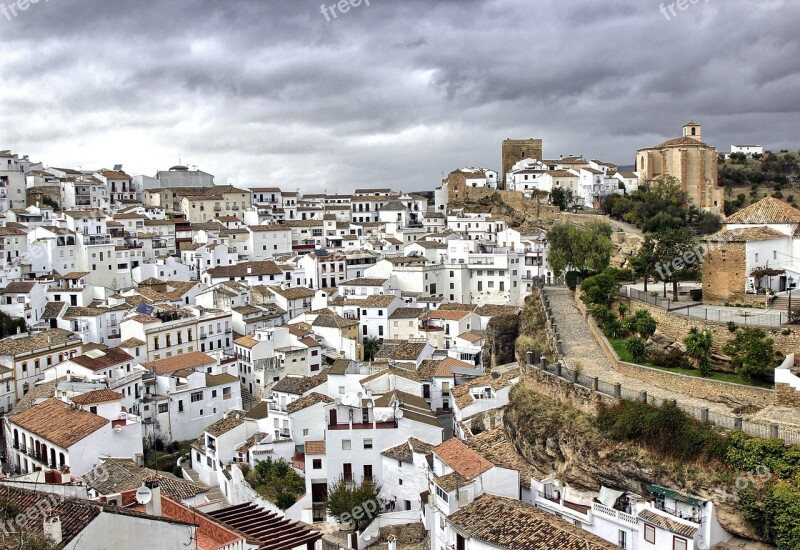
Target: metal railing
x,y
789,434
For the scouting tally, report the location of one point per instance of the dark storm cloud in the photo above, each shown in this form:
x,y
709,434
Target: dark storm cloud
x,y
394,93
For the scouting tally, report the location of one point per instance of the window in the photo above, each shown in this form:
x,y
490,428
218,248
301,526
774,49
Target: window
x,y
622,541
346,444
180,406
213,393
649,533
316,464
197,396
441,494
163,407
679,544
368,443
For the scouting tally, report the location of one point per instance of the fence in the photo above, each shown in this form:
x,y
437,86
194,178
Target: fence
x,y
650,298
730,422
552,330
741,316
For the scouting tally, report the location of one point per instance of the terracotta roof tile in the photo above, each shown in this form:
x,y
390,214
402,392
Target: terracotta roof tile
x,y
184,361
767,210
315,448
97,396
463,460
59,423
514,525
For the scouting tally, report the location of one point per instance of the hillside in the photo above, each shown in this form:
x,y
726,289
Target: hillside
x,y
747,180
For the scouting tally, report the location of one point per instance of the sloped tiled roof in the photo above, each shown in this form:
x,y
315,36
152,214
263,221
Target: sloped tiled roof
x,y
97,396
117,475
307,401
59,423
666,523
184,361
767,210
514,525
463,460
745,234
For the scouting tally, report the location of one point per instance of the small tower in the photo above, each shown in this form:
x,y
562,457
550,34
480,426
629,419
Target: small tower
x,y
693,130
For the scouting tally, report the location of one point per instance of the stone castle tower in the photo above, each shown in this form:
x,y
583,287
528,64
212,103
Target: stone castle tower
x,y
514,150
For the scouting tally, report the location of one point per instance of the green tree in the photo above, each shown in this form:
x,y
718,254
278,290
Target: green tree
x,y
561,197
276,480
9,325
698,346
600,289
353,504
752,352
371,346
677,257
584,248
644,262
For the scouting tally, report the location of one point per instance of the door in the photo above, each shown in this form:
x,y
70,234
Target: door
x,y
348,472
334,420
368,472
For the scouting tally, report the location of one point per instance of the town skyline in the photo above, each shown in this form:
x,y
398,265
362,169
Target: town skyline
x,y
367,99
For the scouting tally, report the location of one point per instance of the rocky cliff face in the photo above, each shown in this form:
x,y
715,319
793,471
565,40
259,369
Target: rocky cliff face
x,y
557,439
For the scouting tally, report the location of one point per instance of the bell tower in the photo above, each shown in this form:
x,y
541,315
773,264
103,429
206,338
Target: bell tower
x,y
693,130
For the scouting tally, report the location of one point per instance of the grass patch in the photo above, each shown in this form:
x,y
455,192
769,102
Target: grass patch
x,y
166,460
665,430
624,355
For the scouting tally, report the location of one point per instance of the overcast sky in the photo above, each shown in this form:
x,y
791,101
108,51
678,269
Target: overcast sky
x,y
394,93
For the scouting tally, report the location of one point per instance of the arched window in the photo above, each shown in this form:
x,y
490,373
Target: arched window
x,y
694,131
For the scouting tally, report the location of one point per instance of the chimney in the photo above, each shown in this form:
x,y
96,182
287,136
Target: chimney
x,y
154,506
52,529
249,269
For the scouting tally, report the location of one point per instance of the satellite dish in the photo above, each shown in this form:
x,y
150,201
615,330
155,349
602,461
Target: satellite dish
x,y
143,495
337,401
495,375
117,428
360,395
399,413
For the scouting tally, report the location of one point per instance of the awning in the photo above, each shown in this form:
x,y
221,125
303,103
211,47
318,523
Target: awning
x,y
608,496
669,493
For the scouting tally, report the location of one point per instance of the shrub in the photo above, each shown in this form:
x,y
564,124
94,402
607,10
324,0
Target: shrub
x,y
752,352
613,328
666,430
637,348
600,289
732,327
642,323
671,358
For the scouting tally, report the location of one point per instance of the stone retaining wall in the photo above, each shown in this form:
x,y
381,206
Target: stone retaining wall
x,y
702,388
677,327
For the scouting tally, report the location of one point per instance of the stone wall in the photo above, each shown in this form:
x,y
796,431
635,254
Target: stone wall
x,y
677,327
564,392
724,275
702,388
515,150
786,396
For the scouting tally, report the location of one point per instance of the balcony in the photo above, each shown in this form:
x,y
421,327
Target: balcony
x,y
364,426
277,407
598,508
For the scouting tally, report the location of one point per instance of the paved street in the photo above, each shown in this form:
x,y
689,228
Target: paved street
x,y
580,347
